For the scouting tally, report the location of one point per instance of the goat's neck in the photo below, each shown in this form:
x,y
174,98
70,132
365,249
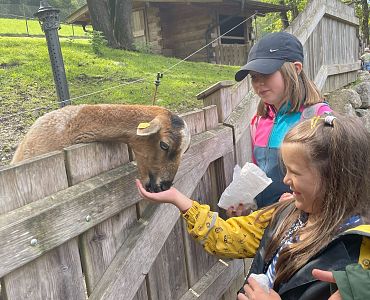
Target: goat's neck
x,y
113,122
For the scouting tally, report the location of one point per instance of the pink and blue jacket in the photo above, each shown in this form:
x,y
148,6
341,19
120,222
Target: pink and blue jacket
x,y
267,135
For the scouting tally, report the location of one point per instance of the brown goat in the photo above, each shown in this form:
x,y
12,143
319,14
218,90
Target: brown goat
x,y
157,137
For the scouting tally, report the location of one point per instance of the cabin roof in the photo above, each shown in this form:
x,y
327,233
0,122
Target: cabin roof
x,y
82,16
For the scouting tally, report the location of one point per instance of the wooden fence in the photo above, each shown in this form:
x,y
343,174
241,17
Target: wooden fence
x,y
233,54
73,226
328,29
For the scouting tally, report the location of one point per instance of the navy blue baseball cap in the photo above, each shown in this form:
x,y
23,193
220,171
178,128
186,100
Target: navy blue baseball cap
x,y
270,53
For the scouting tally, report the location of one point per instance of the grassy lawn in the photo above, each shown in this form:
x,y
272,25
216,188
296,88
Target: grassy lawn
x,y
19,27
27,80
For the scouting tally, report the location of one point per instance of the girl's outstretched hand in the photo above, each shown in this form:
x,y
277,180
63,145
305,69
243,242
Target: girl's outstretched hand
x,y
253,291
172,196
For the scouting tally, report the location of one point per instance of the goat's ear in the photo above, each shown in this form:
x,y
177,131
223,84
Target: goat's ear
x,y
145,129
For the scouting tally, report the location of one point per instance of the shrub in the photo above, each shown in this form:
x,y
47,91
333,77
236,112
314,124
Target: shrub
x,y
97,41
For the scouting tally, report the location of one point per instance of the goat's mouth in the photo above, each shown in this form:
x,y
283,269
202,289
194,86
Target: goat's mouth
x,y
153,187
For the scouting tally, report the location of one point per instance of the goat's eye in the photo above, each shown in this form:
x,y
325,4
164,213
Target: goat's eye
x,y
164,146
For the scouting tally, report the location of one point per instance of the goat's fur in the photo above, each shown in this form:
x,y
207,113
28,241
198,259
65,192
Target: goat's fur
x,y
109,122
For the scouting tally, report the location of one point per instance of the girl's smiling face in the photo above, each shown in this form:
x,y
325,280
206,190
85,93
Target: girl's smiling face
x,y
270,88
302,177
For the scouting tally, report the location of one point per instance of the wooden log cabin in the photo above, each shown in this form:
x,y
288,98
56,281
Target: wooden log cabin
x,y
178,28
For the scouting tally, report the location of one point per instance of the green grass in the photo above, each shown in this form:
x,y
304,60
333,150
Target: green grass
x,y
27,81
19,27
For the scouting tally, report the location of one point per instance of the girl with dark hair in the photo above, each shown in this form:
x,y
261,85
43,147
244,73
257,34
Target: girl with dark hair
x,y
325,226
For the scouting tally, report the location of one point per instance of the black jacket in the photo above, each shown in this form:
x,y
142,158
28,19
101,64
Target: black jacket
x,y
342,251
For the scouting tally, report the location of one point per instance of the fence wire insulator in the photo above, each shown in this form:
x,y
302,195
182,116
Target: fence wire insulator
x,y
157,82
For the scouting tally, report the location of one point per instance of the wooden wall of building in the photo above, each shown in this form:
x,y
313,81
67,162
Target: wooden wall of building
x,y
184,30
154,32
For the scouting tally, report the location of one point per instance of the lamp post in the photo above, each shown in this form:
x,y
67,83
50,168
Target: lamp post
x,y
49,21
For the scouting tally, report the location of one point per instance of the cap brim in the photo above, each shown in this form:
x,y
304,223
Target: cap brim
x,y
263,66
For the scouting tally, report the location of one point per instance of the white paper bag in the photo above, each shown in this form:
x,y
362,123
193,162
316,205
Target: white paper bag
x,y
247,183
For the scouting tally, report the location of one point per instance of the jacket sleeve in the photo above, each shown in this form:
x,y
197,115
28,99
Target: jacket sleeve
x,y
237,237
353,283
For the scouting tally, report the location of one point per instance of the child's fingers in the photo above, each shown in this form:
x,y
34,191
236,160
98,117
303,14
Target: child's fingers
x,y
326,276
240,210
143,193
248,291
254,284
242,297
230,212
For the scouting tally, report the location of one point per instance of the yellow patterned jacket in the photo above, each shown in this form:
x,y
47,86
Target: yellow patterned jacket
x,y
234,238
241,237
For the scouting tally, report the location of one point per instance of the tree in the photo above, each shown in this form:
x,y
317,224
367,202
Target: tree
x,y
271,21
362,11
113,18
295,7
284,16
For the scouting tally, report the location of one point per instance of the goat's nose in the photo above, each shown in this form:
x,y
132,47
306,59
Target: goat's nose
x,y
166,185
152,187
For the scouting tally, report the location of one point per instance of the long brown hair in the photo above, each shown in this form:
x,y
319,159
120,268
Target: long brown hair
x,y
299,90
341,155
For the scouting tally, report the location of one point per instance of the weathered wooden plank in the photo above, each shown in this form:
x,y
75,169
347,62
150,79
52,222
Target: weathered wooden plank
x,y
64,215
341,14
243,148
336,69
210,117
198,262
130,266
22,183
167,277
56,275
241,116
212,89
195,121
21,186
84,161
213,284
236,284
321,77
99,244
306,22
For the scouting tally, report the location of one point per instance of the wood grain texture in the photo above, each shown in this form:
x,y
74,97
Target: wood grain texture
x,y
21,187
99,244
57,218
214,283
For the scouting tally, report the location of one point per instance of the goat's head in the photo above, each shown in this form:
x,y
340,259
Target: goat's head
x,y
158,148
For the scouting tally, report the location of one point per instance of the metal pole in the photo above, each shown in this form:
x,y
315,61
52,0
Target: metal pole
x,y
25,17
49,21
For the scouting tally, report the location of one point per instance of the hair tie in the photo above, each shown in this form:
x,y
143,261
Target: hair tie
x,y
314,121
329,120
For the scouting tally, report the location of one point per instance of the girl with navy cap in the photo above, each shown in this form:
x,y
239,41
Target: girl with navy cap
x,y
275,65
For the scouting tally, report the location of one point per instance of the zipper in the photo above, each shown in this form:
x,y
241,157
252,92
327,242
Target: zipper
x,y
268,141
